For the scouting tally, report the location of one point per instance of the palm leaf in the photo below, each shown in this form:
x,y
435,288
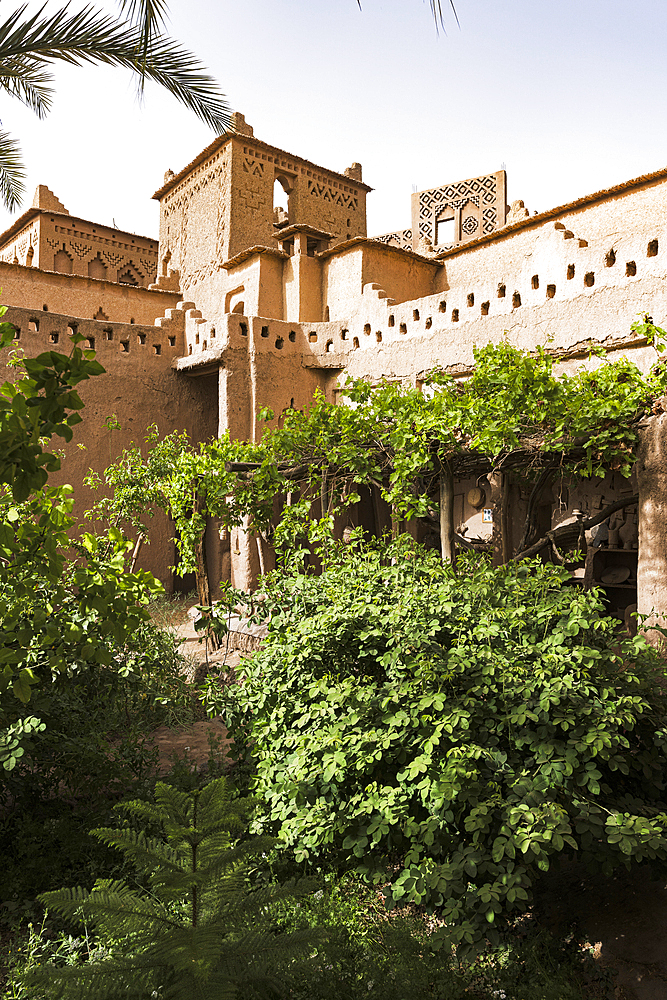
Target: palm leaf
x,y
92,37
27,80
12,173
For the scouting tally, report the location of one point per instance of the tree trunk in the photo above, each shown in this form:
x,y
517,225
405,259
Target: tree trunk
x,y
201,573
447,514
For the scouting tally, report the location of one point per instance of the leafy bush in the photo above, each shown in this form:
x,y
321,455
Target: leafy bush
x,y
452,736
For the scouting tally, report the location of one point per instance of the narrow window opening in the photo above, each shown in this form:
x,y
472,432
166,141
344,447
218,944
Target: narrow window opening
x,y
17,334
501,292
108,334
279,343
244,330
292,336
610,258
157,349
212,333
652,249
471,298
415,314
355,342
485,308
403,328
535,281
378,336
429,323
445,232
455,315
33,325
589,279
54,338
125,346
205,345
71,329
45,308
516,300
367,328
328,346
190,349
344,334
172,341
570,272
390,321
141,338
196,338
551,291
630,269
131,319
91,343
442,307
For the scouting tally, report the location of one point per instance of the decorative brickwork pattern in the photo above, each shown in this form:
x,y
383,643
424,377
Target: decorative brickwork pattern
x,y
480,191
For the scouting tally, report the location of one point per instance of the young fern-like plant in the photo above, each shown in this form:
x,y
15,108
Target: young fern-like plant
x,y
199,930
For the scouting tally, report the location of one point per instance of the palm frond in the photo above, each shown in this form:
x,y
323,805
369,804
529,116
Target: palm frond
x,y
149,16
90,36
12,173
28,81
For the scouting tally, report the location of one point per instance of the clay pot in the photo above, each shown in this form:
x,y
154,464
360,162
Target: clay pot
x,y
613,538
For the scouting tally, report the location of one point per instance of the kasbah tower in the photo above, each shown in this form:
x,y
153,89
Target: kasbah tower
x,y
264,286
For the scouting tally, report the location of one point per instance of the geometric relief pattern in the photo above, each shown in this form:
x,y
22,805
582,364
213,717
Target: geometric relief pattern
x,y
334,197
469,225
479,190
403,238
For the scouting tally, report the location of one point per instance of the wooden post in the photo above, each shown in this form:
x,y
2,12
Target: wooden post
x,y
447,513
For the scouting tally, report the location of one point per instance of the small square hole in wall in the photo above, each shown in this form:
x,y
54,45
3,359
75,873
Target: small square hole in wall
x,y
630,269
429,323
442,307
471,298
54,338
292,336
485,308
455,315
390,321
17,333
265,330
172,341
328,347
141,338
344,334
367,328
652,249
33,325
108,334
279,343
378,336
131,319
71,329
535,281
212,333
45,308
157,349
415,314
551,291
91,343
312,337
243,327
205,345
589,279
125,346
610,258
570,272
501,292
403,328
516,300
355,343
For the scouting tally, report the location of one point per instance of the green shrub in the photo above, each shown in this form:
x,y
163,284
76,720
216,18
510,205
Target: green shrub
x,y
451,735
198,929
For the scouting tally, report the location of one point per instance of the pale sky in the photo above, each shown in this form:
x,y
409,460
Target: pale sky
x,y
569,95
